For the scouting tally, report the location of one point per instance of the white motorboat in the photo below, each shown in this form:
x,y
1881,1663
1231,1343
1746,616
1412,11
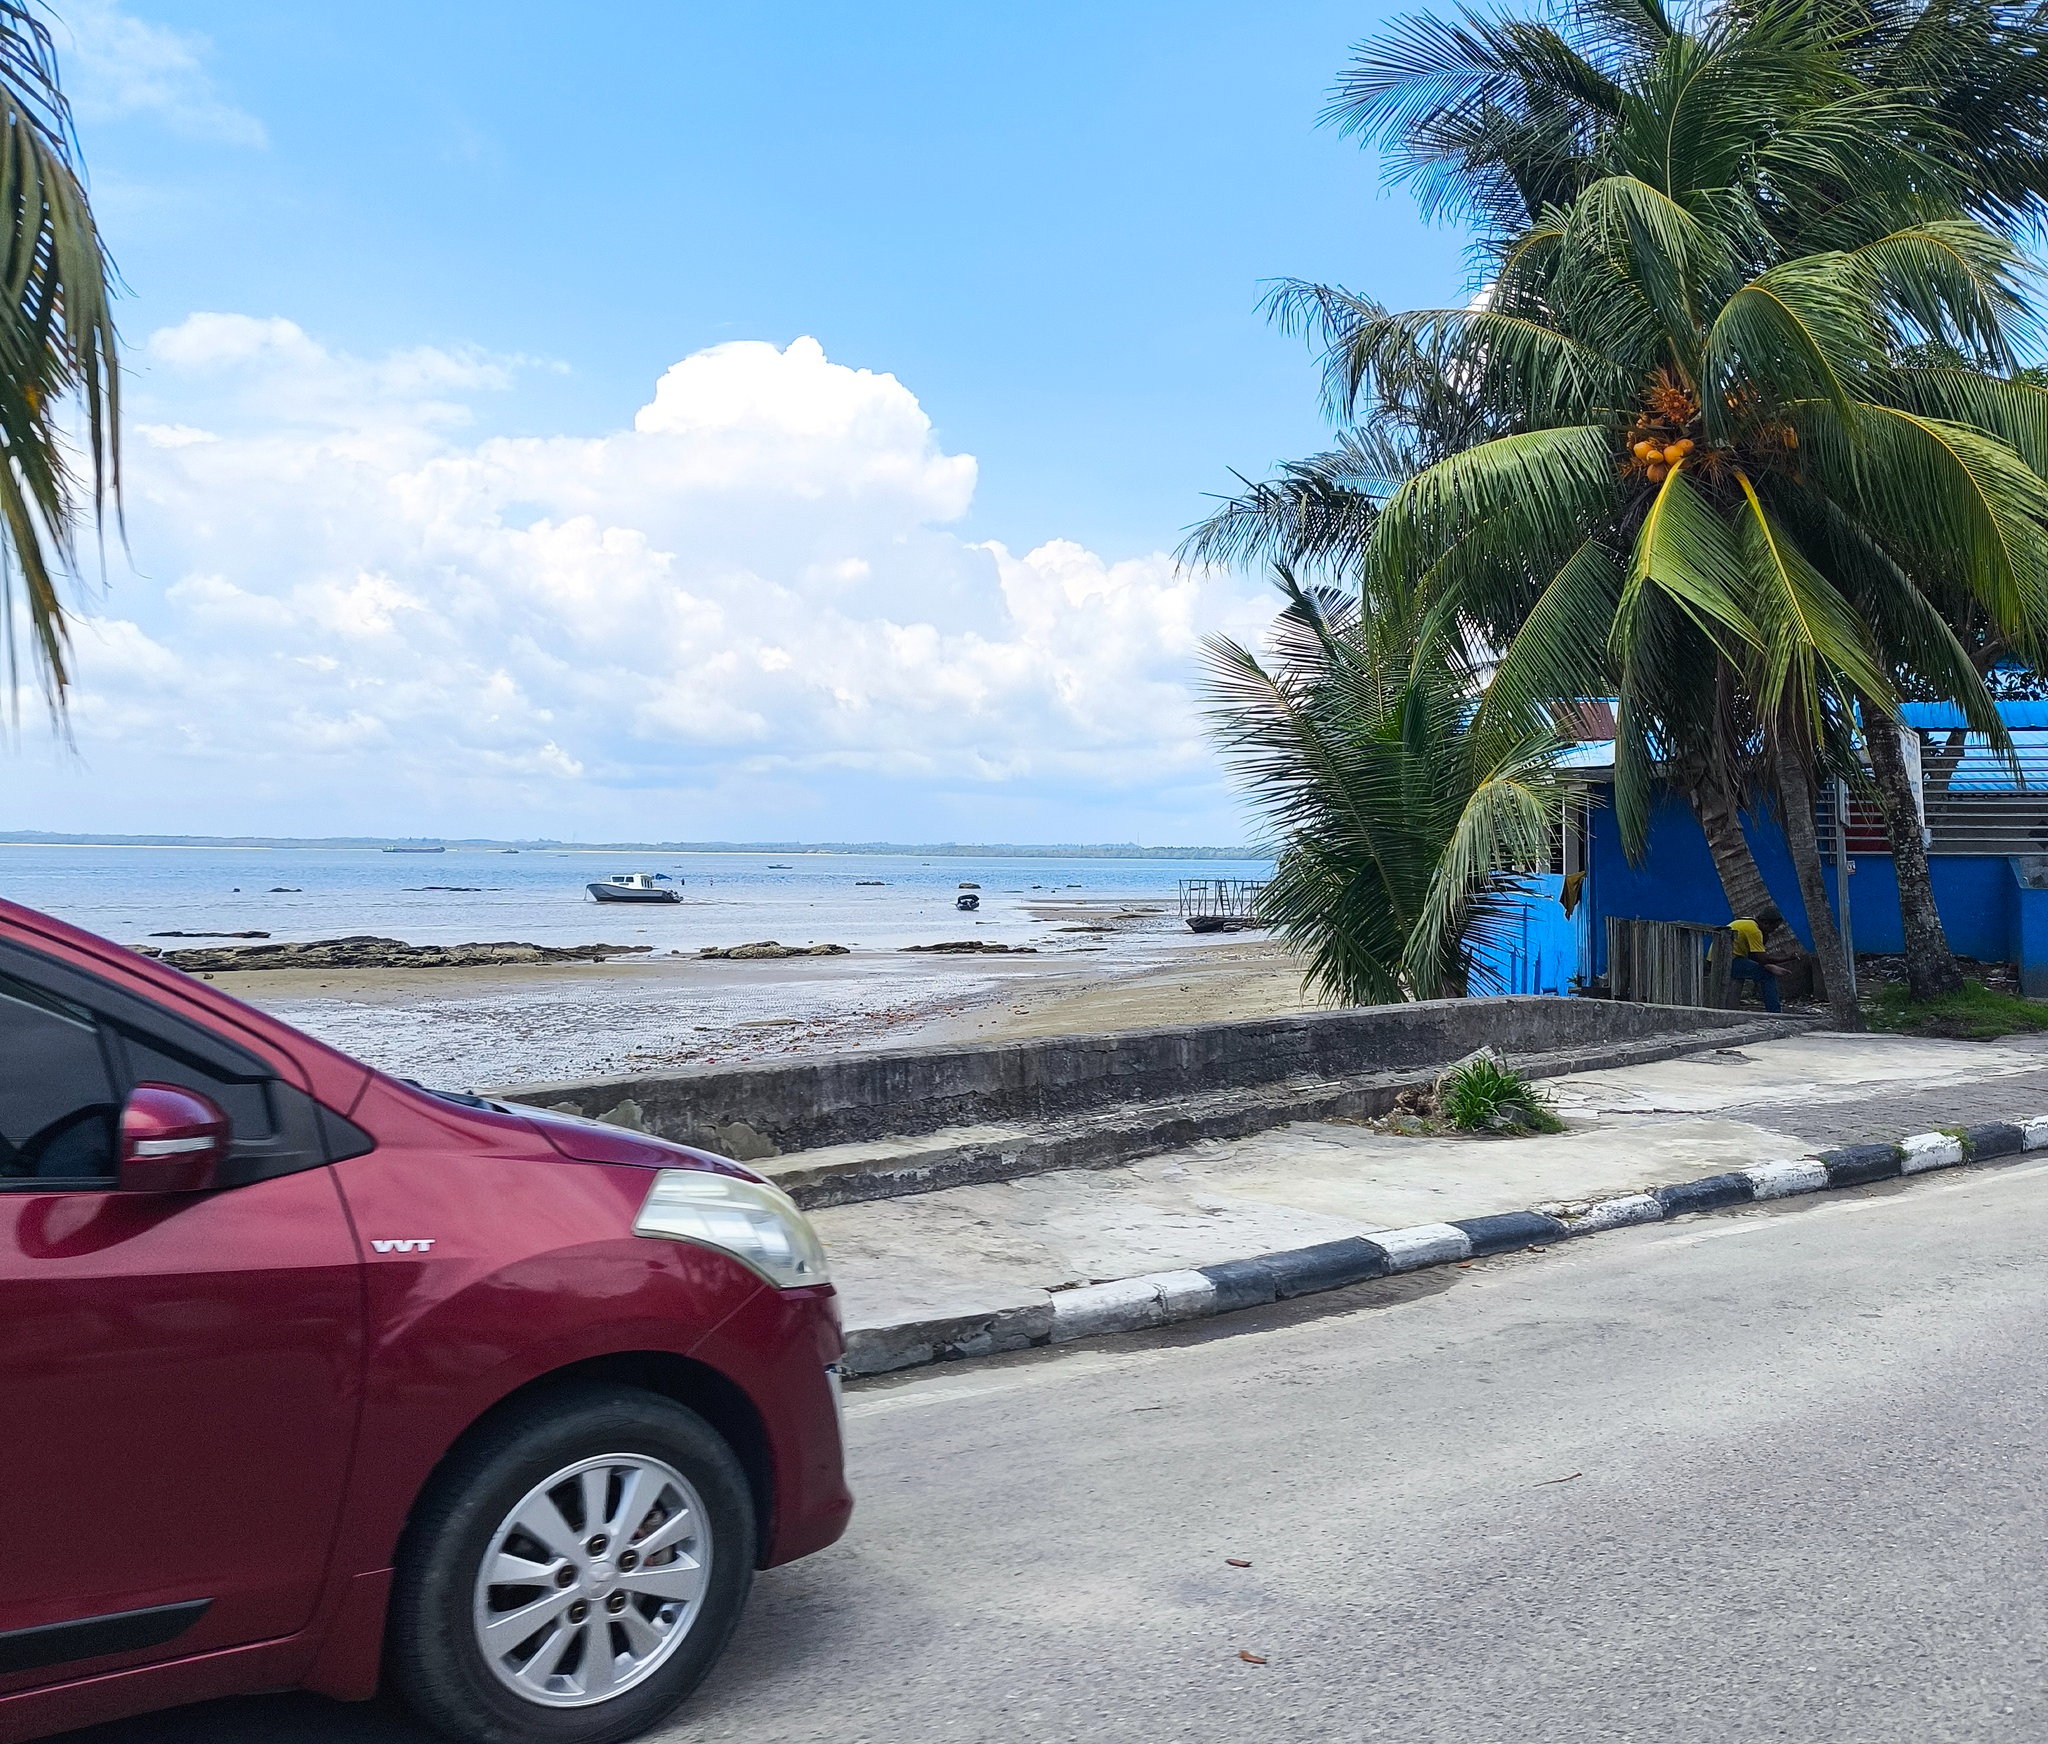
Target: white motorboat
x,y
637,887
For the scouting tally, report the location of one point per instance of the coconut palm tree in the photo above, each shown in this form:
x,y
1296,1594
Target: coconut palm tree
x,y
1399,825
60,392
1494,111
1741,383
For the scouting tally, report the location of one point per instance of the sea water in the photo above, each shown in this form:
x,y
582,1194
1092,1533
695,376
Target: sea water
x,y
579,1025
871,902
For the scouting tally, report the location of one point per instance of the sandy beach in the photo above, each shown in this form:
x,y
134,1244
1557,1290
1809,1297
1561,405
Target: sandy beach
x,y
496,1027
1216,982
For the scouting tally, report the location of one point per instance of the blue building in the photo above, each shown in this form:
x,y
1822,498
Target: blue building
x,y
1986,826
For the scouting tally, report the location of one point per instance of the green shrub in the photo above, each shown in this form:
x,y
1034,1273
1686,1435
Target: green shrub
x,y
1486,1095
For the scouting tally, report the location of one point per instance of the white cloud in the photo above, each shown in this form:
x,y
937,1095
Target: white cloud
x,y
272,371
739,616
173,435
117,65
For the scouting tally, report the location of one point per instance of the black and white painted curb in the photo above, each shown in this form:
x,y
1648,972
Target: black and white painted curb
x,y
1160,1298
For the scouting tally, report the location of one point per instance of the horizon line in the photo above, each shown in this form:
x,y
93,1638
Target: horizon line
x,y
1022,850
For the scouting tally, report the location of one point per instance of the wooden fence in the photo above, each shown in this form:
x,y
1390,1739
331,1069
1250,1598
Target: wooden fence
x,y
1668,962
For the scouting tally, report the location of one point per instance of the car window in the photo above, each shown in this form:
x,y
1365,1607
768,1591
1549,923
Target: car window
x,y
59,1111
119,1038
247,1106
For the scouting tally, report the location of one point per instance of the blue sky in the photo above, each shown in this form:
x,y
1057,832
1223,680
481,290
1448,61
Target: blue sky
x,y
1048,225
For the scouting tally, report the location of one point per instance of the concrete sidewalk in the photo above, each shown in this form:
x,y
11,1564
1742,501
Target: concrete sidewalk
x,y
979,1249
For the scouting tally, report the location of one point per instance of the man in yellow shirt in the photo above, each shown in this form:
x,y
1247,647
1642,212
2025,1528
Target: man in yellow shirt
x,y
1749,963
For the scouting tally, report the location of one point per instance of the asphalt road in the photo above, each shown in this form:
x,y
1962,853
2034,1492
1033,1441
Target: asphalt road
x,y
1779,1474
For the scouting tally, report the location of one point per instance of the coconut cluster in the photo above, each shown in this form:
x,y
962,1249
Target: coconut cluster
x,y
1657,456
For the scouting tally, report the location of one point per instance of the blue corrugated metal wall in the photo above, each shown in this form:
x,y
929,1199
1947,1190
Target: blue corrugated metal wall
x,y
1993,908
1977,895
1541,954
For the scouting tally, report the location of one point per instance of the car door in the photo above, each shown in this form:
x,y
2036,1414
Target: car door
x,y
180,1373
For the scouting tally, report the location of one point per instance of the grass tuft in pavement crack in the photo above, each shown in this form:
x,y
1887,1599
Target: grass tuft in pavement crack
x,y
1488,1095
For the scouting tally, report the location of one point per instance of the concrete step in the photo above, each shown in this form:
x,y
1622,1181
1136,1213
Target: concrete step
x,y
962,1156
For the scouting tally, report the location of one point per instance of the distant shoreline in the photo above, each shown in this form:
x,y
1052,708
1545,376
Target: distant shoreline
x,y
377,844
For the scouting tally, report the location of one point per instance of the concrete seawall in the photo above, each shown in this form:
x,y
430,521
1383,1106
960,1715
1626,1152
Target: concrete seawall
x,y
855,1099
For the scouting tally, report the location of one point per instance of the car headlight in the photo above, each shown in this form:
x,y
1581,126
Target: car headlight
x,y
757,1224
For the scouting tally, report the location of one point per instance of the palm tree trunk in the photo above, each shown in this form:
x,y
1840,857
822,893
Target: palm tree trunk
x,y
1716,803
1795,801
1930,965
1742,882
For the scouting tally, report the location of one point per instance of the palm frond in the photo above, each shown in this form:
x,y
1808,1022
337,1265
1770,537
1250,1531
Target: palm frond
x,y
57,348
1905,623
1538,487
1494,354
1317,513
1828,169
1808,635
1560,650
1421,66
2015,411
1948,489
1651,631
1955,282
1386,814
1803,327
1622,227
1686,552
1502,829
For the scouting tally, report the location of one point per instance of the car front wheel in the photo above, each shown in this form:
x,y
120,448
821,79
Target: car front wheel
x,y
574,1573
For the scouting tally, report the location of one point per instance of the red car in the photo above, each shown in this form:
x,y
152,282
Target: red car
x,y
309,1377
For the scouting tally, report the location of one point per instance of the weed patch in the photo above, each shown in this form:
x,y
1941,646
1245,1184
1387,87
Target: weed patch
x,y
1487,1095
1978,1013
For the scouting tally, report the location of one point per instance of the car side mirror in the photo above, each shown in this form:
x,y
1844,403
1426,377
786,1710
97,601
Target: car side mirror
x,y
172,1141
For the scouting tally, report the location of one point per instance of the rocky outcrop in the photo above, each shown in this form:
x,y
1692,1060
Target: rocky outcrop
x,y
252,934
978,947
364,951
769,948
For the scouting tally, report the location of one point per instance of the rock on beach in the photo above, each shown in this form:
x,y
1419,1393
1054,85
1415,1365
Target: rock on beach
x,y
364,951
769,948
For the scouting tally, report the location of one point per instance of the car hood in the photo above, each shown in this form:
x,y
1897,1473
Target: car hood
x,y
592,1141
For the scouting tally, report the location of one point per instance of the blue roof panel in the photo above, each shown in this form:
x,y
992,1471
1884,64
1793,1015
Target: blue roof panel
x,y
1937,716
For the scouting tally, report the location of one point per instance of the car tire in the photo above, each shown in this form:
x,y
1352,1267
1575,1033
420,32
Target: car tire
x,y
616,1643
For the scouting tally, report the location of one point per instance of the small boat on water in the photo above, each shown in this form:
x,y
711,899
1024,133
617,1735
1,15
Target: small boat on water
x,y
969,902
636,887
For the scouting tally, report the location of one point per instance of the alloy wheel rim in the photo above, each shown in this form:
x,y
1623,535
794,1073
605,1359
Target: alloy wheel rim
x,y
593,1580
